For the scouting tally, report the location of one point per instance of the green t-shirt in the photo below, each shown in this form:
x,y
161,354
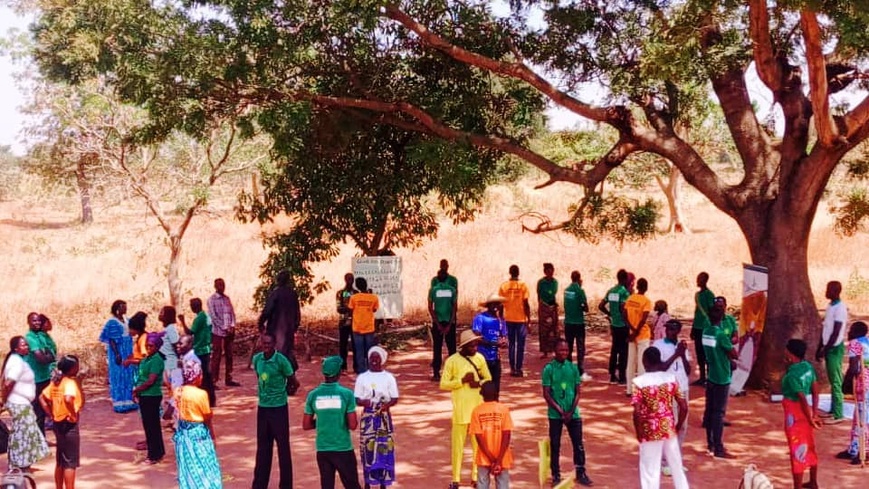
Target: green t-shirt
x,y
574,304
798,379
451,281
703,301
728,324
617,296
562,379
547,290
330,403
271,375
152,364
443,296
717,345
201,330
39,340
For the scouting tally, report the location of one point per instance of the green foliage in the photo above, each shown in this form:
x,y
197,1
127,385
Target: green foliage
x,y
618,218
10,173
851,212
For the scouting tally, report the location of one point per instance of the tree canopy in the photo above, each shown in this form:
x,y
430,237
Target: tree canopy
x,y
643,68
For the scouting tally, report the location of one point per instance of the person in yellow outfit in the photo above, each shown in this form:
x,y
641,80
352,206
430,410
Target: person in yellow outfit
x,y
464,373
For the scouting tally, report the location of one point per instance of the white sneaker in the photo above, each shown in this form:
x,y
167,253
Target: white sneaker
x,y
585,377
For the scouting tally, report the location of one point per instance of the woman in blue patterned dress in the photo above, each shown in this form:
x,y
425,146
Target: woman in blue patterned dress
x,y
119,345
376,391
198,467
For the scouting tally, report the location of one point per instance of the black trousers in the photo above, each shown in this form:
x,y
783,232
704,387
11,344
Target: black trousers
x,y
344,333
149,406
207,380
697,336
713,416
438,340
575,333
342,462
495,370
619,352
272,426
37,408
574,430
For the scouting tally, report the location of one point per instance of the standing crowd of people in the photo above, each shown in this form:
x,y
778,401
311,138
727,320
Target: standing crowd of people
x,y
647,357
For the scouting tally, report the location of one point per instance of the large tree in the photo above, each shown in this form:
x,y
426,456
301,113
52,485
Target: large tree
x,y
630,65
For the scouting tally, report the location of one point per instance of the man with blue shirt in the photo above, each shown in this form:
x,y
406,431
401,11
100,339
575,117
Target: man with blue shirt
x,y
493,334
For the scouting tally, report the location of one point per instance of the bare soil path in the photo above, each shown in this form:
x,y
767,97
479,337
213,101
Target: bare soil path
x,y
422,422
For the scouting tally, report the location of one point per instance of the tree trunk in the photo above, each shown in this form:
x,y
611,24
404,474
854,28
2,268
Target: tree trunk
x,y
174,275
778,239
672,190
84,188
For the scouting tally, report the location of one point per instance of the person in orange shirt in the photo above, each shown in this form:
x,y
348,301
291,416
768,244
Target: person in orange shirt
x,y
198,467
63,399
517,312
363,304
637,308
492,426
137,326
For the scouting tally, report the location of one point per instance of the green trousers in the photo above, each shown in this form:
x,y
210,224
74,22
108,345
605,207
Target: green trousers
x,y
833,362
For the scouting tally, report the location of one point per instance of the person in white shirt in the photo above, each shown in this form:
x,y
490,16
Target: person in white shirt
x,y
26,442
376,391
676,360
831,348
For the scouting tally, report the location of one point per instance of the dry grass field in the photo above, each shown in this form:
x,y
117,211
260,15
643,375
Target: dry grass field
x,y
73,273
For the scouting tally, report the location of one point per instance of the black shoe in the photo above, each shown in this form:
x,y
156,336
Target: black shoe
x,y
623,382
726,423
613,379
556,479
844,455
699,383
584,479
855,461
232,383
436,378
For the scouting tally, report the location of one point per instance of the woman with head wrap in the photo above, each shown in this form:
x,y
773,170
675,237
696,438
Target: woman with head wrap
x,y
26,443
198,467
149,395
376,391
119,345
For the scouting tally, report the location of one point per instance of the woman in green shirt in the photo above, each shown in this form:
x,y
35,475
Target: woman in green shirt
x,y
800,419
149,395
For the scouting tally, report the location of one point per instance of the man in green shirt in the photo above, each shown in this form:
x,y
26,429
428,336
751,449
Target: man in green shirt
x,y
451,280
331,409
274,372
561,382
442,307
547,310
575,307
613,305
42,357
201,331
719,351
704,299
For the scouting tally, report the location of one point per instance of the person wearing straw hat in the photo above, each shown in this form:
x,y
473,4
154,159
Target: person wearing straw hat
x,y
493,333
464,373
331,409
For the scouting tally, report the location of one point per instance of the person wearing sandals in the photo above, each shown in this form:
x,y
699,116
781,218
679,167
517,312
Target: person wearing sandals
x,y
63,400
149,393
198,467
464,373
26,443
376,391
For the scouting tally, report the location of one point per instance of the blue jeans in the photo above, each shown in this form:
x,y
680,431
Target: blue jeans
x,y
361,344
502,480
516,333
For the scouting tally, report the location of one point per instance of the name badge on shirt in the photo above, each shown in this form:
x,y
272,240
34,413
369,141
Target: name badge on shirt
x,y
328,402
710,341
613,297
443,293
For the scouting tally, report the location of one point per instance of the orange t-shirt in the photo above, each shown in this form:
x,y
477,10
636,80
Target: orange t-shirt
x,y
364,305
635,306
56,393
516,293
140,351
491,420
192,404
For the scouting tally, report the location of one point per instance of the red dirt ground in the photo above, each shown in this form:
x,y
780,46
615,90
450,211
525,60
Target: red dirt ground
x,y
422,423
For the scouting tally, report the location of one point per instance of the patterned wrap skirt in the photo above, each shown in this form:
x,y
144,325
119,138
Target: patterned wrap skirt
x,y
801,437
377,448
198,467
26,443
547,327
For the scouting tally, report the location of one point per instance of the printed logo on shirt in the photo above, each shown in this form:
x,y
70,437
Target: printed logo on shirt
x,y
613,297
443,293
569,294
328,402
710,341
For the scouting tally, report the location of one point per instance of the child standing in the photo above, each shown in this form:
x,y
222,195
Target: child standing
x,y
63,400
492,426
659,320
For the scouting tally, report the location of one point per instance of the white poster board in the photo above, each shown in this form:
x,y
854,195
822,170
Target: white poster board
x,y
752,319
383,274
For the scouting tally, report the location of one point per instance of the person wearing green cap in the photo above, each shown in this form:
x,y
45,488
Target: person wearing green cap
x,y
274,373
331,409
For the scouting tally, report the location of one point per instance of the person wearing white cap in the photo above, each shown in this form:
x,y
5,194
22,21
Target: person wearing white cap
x,y
376,391
493,335
464,373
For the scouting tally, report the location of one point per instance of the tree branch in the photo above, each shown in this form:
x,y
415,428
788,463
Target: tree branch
x,y
827,131
765,59
857,119
516,70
